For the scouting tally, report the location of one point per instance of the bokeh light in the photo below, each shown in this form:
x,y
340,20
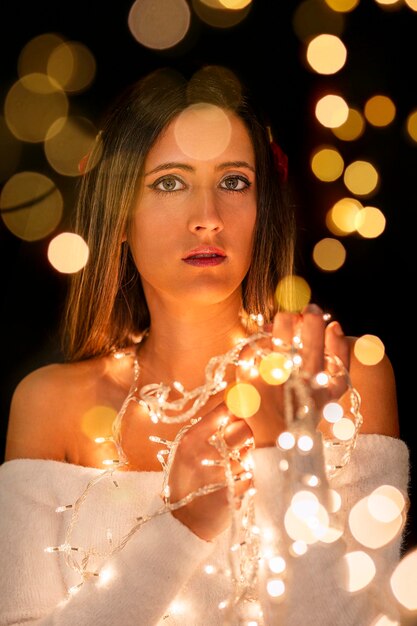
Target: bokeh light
x,y
242,399
221,13
68,253
361,178
34,56
352,128
327,164
344,6
386,503
329,254
73,66
404,581
331,111
379,110
341,218
31,205
67,142
369,349
292,293
97,421
332,412
343,429
275,368
159,24
370,531
361,570
326,54
313,17
370,222
411,125
32,104
213,134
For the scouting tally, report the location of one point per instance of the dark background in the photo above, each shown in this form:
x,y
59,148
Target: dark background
x,y
373,292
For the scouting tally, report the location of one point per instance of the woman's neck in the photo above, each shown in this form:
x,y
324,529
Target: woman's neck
x,y
180,343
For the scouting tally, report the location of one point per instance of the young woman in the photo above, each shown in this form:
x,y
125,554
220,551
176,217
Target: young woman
x,y
210,500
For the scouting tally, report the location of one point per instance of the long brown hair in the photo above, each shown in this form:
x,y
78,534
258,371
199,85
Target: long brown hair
x,y
106,306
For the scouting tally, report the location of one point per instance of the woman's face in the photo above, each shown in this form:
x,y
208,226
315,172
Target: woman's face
x,y
193,221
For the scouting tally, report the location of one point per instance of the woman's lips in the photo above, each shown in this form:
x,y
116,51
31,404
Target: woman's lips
x,y
205,260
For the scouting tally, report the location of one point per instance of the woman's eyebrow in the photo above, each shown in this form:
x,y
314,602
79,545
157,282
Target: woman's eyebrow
x,y
171,165
226,164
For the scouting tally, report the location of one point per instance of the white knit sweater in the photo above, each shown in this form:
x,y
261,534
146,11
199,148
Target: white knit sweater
x,y
158,578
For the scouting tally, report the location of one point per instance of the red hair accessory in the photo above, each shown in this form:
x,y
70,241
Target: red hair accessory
x,y
280,158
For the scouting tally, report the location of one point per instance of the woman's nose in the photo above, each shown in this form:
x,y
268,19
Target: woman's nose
x,y
204,214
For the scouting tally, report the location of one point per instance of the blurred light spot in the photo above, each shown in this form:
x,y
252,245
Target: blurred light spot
x,y
335,501
327,164
243,399
73,66
215,12
361,178
298,548
305,443
202,131
369,349
277,564
275,368
344,429
307,527
32,104
329,254
159,24
292,293
344,6
370,222
387,2
105,576
31,205
383,620
286,440
352,128
68,253
331,535
10,150
386,503
369,531
34,56
326,54
379,110
332,412
412,4
67,142
313,17
98,421
411,125
177,607
341,219
275,587
361,570
304,504
404,581
332,111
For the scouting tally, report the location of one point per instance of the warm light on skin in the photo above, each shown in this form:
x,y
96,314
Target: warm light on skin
x,y
243,400
184,203
369,349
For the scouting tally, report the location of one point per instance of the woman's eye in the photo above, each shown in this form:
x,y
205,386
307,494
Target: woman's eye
x,y
168,183
235,183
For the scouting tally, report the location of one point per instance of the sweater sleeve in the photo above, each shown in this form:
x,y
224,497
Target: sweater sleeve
x,y
317,581
145,576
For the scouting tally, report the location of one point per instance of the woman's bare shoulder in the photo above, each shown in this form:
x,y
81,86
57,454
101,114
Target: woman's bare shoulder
x,y
42,405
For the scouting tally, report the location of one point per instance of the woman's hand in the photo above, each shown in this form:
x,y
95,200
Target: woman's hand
x,y
316,339
208,515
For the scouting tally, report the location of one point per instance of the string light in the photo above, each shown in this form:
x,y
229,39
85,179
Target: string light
x,y
249,544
